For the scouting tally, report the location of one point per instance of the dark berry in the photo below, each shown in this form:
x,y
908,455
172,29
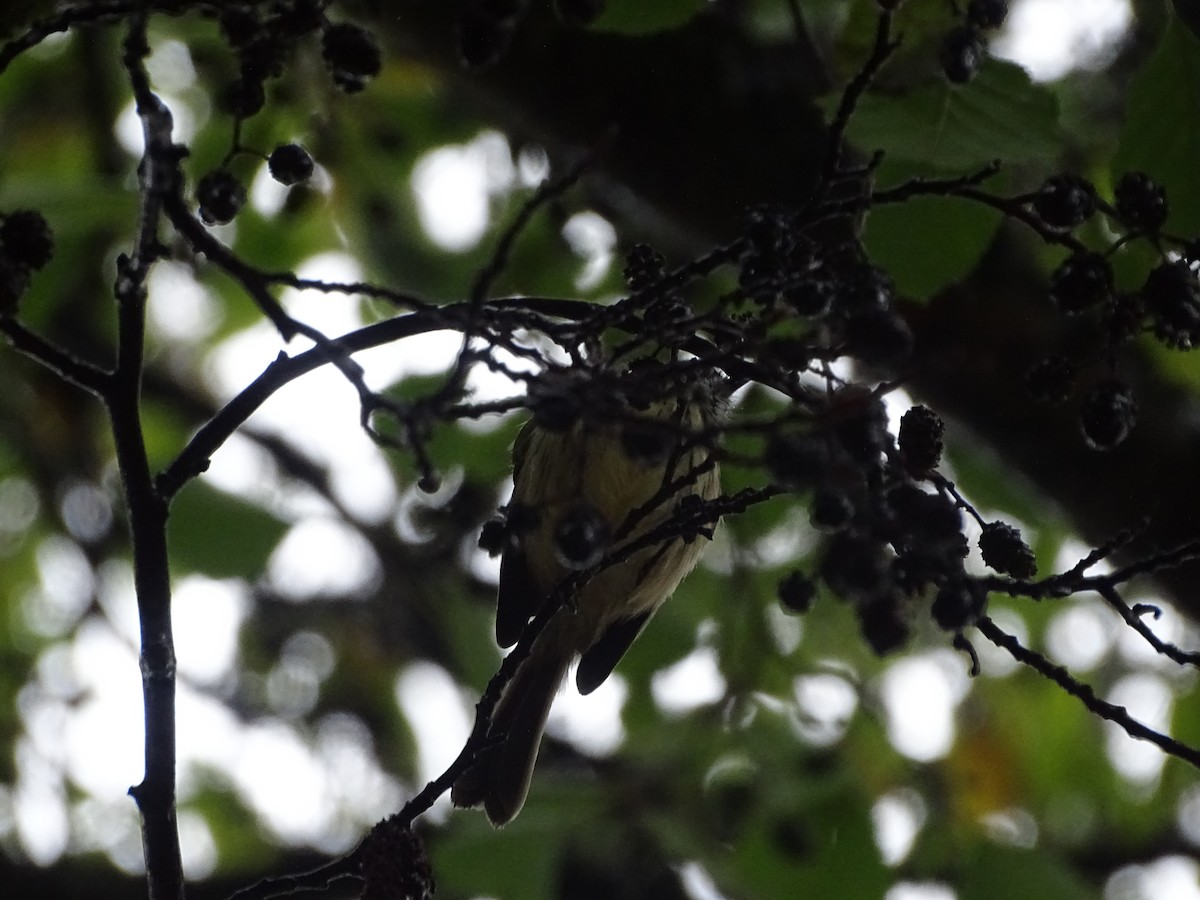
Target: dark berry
x,y
774,257
26,238
1081,282
796,593
394,864
853,566
861,429
351,55
831,510
643,266
580,537
220,195
1108,415
987,13
878,337
1141,201
244,97
493,537
264,57
958,604
1172,297
579,12
796,460
290,164
928,522
1005,551
298,18
882,625
1064,201
240,25
1052,380
962,54
920,441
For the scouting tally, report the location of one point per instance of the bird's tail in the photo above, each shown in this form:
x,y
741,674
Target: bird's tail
x,y
498,777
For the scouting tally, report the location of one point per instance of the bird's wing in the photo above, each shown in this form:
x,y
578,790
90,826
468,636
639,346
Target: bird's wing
x,y
601,658
518,596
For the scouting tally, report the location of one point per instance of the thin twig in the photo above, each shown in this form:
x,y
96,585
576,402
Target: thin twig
x,y
1135,621
1118,715
62,20
528,312
546,192
66,366
881,50
322,878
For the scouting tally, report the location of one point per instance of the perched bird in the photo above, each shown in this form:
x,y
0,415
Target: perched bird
x,y
581,494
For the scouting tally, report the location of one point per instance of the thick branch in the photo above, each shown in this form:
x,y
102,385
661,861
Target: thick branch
x,y
155,795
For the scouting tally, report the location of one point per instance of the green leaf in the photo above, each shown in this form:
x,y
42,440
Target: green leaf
x,y
220,535
647,16
927,243
1161,136
999,115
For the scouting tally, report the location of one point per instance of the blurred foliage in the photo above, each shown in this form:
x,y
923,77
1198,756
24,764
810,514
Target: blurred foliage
x,y
741,786
1161,135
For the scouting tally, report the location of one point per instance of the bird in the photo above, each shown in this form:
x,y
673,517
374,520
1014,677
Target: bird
x,y
580,495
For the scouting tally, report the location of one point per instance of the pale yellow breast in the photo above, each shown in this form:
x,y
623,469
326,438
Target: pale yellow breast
x,y
589,465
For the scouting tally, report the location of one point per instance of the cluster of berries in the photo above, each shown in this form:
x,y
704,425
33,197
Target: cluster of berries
x,y
1167,304
890,541
263,37
846,300
221,194
892,525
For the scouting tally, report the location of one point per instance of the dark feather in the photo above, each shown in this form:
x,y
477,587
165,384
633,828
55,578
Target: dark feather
x,y
602,657
517,598
498,777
